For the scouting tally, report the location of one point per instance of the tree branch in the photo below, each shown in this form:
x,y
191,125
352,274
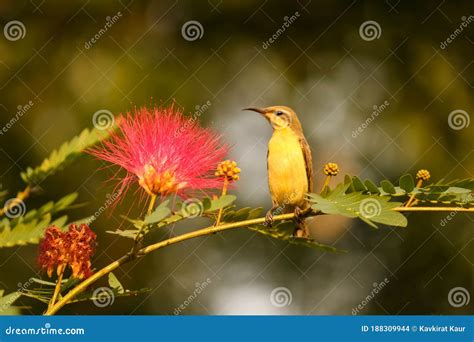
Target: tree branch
x,y
146,250
201,232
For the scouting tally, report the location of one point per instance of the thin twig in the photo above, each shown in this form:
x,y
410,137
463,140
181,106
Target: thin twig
x,y
221,210
142,252
402,209
191,235
57,288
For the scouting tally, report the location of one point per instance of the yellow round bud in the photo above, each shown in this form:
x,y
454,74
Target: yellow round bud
x,y
228,170
331,169
423,175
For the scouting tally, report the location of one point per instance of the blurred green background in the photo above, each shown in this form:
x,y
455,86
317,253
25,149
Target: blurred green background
x,y
321,66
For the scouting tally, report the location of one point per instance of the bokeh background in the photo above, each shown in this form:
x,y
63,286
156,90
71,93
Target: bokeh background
x,y
324,66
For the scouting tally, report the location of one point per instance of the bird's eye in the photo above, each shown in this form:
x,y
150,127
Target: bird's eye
x,y
279,113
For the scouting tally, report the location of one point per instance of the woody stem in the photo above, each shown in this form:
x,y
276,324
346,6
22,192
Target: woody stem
x,y
194,234
224,192
139,236
412,197
326,183
152,204
57,288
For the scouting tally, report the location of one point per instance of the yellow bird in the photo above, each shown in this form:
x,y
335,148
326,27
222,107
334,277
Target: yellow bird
x,y
289,164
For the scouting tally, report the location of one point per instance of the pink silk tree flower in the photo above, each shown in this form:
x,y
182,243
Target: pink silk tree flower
x,y
164,151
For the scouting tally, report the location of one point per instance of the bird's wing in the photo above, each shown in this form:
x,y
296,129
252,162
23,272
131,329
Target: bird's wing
x,y
308,161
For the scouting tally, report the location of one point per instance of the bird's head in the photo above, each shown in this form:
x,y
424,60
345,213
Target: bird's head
x,y
280,117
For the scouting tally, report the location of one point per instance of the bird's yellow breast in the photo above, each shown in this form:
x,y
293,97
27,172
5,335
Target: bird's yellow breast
x,y
287,176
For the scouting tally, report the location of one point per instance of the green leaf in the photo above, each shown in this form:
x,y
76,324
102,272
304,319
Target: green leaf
x,y
29,229
284,231
347,179
221,202
241,214
387,186
49,208
357,184
407,182
6,303
467,183
160,217
128,233
63,156
115,283
371,187
369,208
158,214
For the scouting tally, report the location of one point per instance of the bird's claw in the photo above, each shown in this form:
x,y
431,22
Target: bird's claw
x,y
301,230
298,212
269,219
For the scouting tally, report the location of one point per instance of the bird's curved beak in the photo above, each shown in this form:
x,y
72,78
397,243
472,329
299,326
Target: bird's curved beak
x,y
258,110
